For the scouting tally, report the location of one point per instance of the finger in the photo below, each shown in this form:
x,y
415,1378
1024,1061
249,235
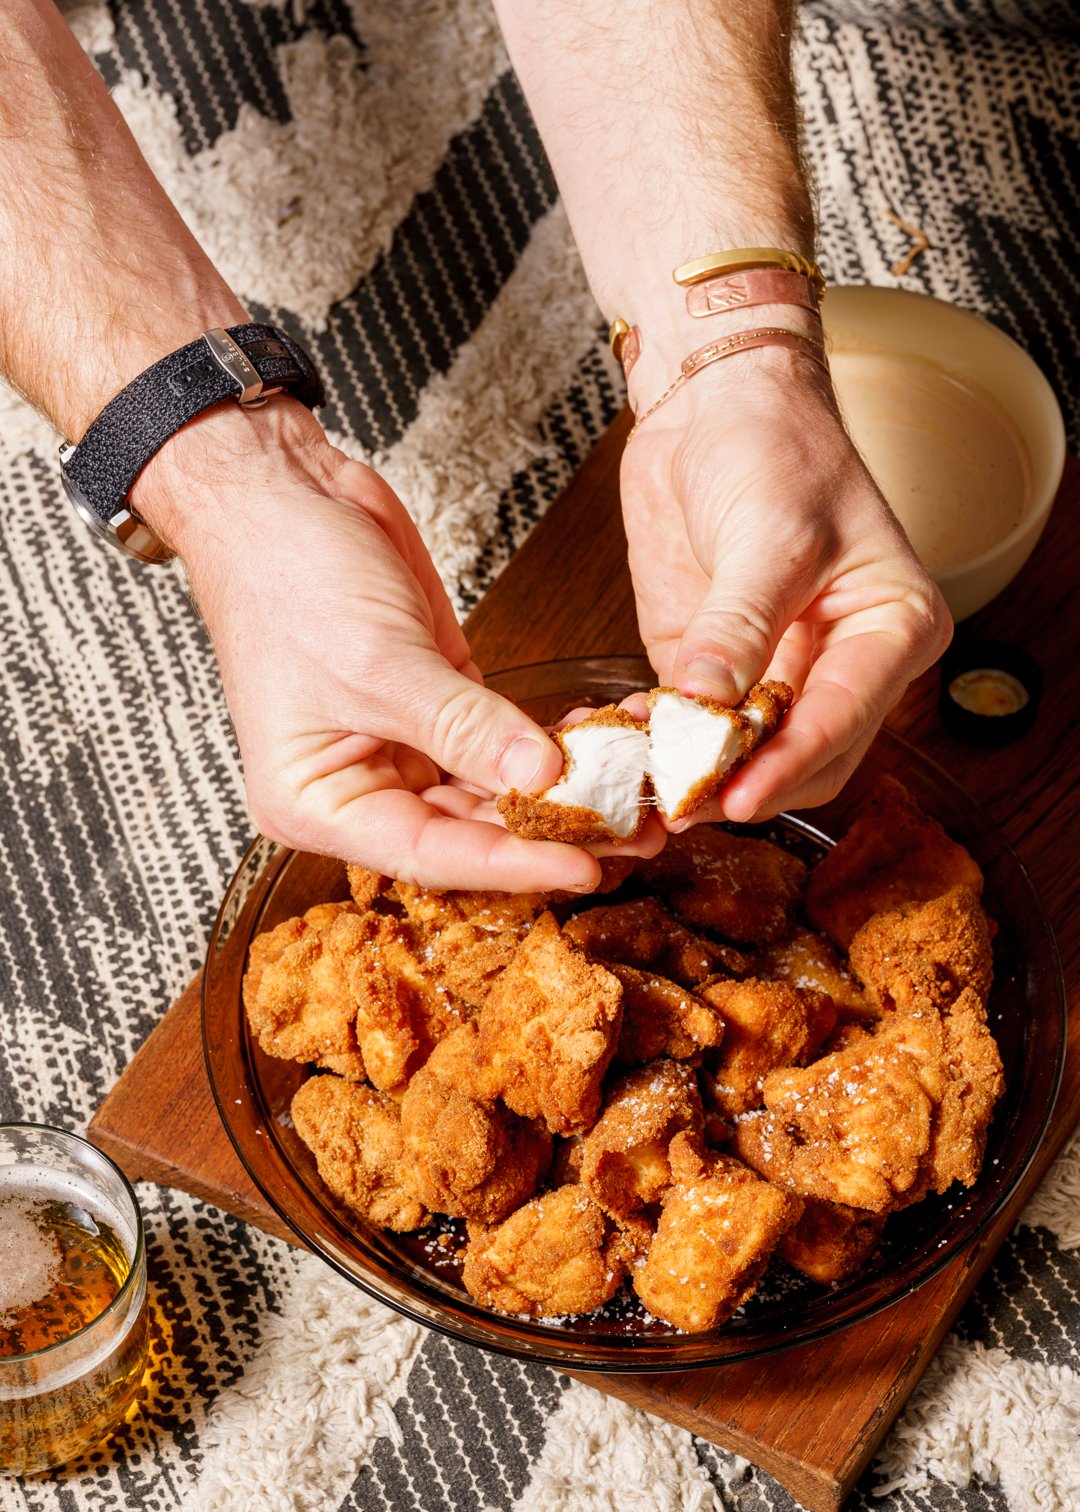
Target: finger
x,y
636,706
825,783
460,804
574,716
400,834
415,770
731,639
850,689
649,840
794,656
469,731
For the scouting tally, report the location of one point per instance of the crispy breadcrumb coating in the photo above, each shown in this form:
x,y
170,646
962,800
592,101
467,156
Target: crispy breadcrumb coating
x,y
893,854
718,1228
624,1163
468,1158
766,1025
402,1012
925,953
549,1029
746,890
365,885
467,960
853,1128
355,1136
297,997
642,933
959,1066
806,959
497,911
558,1255
661,1018
830,1241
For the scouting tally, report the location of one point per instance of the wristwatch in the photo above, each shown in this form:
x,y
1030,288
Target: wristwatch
x,y
249,363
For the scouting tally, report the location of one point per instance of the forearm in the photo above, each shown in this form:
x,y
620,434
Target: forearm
x,y
671,129
99,276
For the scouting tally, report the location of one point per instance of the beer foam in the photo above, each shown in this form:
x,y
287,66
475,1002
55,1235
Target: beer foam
x,y
29,1259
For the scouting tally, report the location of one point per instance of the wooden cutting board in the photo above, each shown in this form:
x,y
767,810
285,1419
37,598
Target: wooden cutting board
x,y
813,1416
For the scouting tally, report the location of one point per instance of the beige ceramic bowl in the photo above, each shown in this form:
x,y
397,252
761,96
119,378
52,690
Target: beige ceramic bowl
x,y
982,358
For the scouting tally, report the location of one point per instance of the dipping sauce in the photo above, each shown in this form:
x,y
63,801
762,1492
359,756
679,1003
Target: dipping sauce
x,y
946,456
989,692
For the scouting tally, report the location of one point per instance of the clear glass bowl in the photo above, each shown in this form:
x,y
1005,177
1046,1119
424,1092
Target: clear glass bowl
x,y
1027,1014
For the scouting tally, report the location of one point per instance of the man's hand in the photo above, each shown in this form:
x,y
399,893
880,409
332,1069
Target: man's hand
x,y
760,546
348,677
757,540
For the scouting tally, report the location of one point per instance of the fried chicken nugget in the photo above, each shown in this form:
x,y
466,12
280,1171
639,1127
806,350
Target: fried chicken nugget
x,y
297,997
558,1255
355,1136
365,885
624,1163
718,1228
468,960
806,959
853,1128
642,933
661,1018
495,911
601,793
975,1082
925,953
893,854
401,1011
766,1025
744,889
465,939
960,1070
467,1157
549,1029
830,1241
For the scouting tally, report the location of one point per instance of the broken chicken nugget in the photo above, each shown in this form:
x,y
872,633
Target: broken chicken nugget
x,y
601,793
696,743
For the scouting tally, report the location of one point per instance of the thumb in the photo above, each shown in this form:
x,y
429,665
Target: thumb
x,y
475,734
729,643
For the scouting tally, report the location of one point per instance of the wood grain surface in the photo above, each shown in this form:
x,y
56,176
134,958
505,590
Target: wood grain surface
x,y
811,1416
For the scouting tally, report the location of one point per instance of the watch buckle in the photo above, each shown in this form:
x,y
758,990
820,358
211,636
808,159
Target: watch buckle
x,y
233,360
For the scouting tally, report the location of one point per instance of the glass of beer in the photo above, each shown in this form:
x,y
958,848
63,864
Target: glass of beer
x,y
73,1310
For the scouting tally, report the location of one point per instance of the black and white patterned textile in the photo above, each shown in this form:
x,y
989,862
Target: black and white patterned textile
x,y
369,177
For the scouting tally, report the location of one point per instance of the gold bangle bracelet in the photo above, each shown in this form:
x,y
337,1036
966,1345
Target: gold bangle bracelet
x,y
739,258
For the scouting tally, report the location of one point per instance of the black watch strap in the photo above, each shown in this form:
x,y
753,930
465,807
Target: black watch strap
x,y
244,362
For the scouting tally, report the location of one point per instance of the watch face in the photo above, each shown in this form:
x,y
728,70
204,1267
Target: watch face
x,y
123,529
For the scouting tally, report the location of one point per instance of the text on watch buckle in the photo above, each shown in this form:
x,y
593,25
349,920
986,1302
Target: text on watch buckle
x,y
233,360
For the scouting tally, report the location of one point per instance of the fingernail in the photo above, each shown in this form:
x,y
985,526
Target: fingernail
x,y
521,763
708,674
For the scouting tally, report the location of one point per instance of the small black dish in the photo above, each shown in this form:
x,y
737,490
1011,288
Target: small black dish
x,y
990,692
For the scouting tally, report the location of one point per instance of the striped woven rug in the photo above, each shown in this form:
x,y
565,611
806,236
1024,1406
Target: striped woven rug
x,y
369,176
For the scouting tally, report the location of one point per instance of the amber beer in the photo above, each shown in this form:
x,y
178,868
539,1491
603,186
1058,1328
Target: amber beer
x,y
73,1317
